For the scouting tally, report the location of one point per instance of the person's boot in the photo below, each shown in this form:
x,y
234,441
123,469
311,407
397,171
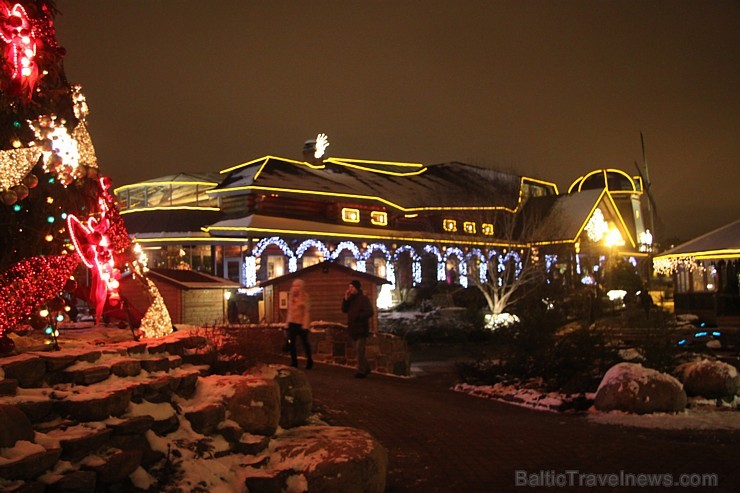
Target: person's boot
x,y
309,364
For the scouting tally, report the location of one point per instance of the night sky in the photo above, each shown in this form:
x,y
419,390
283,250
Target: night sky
x,y
550,89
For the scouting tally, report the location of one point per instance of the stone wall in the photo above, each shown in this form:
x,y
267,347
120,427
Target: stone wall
x,y
386,353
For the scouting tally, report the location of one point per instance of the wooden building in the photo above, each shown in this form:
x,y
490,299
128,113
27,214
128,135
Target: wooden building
x,y
706,275
191,297
326,284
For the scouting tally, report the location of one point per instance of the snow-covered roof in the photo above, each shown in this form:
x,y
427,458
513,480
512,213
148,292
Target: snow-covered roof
x,y
722,241
406,186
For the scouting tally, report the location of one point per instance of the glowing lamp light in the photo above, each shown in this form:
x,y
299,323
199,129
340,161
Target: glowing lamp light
x,y
616,294
613,238
44,313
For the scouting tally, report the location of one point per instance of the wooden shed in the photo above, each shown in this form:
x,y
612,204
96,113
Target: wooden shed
x,y
191,297
326,283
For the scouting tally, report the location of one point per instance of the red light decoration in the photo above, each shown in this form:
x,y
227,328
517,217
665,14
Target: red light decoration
x,y
98,241
20,36
30,283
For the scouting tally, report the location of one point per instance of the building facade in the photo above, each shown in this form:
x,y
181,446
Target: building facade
x,y
409,223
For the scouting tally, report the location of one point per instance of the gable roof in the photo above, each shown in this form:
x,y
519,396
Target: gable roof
x,y
566,216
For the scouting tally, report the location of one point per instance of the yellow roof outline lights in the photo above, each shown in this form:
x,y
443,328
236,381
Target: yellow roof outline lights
x,y
704,254
350,215
469,227
158,183
357,164
171,208
379,218
486,229
266,159
541,182
624,228
579,181
346,235
342,160
449,225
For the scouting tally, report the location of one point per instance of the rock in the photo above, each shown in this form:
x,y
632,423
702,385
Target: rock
x,y
192,341
87,376
30,466
14,426
116,465
255,405
206,419
136,425
159,389
296,398
709,378
186,384
156,347
80,445
96,407
55,362
74,482
27,369
155,364
632,388
126,368
250,444
8,386
37,411
322,459
90,356
175,347
201,356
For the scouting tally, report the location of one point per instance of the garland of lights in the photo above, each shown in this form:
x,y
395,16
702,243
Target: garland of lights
x,y
311,243
415,262
29,283
346,245
483,267
461,264
666,266
431,249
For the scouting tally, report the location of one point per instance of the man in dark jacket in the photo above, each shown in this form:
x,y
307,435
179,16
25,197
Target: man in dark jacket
x,y
359,310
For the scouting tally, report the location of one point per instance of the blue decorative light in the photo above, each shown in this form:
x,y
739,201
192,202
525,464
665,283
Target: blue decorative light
x,y
682,342
700,334
17,207
716,334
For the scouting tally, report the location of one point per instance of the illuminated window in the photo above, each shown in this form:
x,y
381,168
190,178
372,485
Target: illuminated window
x,y
486,229
350,215
449,225
379,218
275,266
309,260
469,227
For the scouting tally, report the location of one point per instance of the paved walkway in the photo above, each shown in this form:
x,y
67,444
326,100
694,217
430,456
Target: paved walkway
x,y
444,441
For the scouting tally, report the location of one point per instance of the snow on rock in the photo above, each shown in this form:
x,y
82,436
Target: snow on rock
x,y
630,387
710,378
322,458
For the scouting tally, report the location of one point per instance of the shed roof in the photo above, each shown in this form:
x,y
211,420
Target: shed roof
x,y
190,279
723,241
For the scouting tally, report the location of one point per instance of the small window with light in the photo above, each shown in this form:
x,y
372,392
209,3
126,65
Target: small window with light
x,y
379,218
449,225
486,229
469,227
350,215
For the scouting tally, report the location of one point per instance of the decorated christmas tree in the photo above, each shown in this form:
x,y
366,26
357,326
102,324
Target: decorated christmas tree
x,y
57,215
